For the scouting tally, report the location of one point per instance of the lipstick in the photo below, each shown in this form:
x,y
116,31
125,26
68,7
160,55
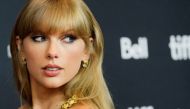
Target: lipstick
x,y
51,70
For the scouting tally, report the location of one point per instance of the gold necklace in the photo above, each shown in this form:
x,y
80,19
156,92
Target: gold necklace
x,y
69,102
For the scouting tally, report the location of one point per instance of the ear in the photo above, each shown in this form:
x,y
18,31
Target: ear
x,y
86,55
18,43
19,46
91,39
88,52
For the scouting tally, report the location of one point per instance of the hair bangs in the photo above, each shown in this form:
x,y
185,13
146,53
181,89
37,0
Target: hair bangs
x,y
51,19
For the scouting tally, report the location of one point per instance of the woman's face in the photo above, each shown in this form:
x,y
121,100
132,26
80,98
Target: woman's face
x,y
53,60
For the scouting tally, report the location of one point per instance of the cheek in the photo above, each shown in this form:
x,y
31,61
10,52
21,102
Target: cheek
x,y
74,56
34,57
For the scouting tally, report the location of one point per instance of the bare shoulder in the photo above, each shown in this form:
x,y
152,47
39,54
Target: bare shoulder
x,y
83,105
25,106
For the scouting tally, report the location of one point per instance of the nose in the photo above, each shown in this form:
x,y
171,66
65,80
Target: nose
x,y
52,52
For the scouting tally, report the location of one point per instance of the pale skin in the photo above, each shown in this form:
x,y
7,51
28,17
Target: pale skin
x,y
52,61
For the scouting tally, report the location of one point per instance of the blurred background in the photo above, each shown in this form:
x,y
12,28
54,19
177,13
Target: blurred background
x,y
147,52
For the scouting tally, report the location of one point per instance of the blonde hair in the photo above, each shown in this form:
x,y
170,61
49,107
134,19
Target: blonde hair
x,y
63,15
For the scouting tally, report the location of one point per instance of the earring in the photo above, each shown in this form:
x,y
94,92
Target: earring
x,y
84,64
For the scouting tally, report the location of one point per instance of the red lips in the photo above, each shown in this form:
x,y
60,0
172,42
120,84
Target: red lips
x,y
52,66
51,70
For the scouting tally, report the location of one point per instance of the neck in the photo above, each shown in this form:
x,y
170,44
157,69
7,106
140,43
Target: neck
x,y
46,98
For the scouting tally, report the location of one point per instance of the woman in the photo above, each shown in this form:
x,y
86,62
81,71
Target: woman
x,y
57,49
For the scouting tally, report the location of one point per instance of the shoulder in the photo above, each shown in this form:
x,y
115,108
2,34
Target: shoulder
x,y
25,106
83,105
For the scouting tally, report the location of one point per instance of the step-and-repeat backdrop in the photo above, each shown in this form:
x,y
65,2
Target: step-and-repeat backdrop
x,y
147,52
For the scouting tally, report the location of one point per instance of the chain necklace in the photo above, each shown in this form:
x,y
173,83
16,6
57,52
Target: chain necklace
x,y
67,104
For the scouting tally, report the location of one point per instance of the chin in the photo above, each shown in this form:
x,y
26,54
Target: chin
x,y
53,85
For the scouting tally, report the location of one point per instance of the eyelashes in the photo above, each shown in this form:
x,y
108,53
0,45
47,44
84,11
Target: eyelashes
x,y
67,38
38,38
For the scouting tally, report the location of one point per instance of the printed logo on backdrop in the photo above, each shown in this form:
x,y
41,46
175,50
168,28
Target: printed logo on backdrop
x,y
145,107
180,47
8,51
142,107
135,51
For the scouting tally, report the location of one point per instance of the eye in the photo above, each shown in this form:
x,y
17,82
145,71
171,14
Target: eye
x,y
38,38
69,38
